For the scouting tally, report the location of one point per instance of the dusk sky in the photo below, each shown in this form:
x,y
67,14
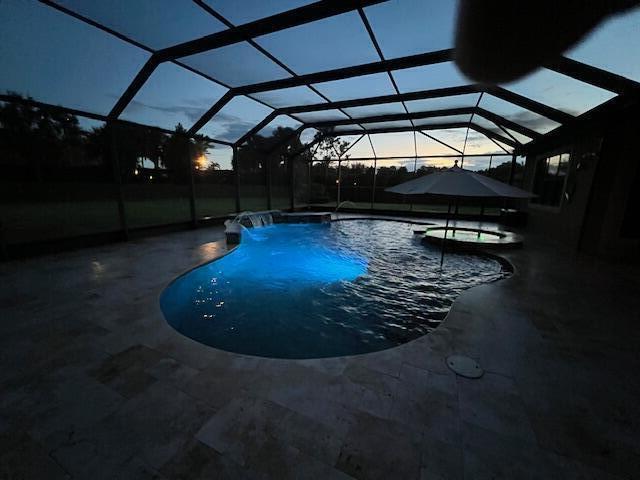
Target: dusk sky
x,y
57,59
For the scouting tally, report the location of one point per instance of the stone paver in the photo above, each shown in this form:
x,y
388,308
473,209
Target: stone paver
x,y
96,385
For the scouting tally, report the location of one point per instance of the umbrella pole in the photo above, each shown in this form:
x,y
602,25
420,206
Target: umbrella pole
x,y
455,214
444,239
339,182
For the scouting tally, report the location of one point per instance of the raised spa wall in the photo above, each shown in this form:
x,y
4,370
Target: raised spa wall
x,y
234,237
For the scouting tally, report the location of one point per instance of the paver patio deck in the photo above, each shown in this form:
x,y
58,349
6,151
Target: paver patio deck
x,y
95,384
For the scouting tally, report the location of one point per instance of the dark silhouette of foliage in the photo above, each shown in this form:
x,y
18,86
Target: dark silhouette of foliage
x,y
273,151
40,142
330,146
502,172
38,139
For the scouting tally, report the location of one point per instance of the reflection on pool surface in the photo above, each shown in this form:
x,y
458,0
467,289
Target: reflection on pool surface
x,y
321,290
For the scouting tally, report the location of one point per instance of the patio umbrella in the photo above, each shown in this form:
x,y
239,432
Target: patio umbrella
x,y
457,182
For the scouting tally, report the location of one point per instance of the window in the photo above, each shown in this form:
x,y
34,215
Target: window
x,y
549,180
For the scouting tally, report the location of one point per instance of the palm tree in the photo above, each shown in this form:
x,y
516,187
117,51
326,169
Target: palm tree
x,y
34,134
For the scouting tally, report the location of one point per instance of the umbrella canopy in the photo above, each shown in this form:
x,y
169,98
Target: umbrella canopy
x,y
458,182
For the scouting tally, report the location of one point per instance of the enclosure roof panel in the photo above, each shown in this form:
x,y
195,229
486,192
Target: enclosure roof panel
x,y
347,128
454,101
389,124
393,144
321,116
154,23
373,110
372,85
163,62
488,124
245,11
407,27
288,97
429,145
331,43
235,119
236,65
565,93
435,120
281,121
438,75
36,40
470,141
621,34
188,99
517,114
360,149
519,137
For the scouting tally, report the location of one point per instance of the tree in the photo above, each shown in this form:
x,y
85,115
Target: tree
x,y
18,125
179,151
40,138
133,143
34,135
176,154
200,148
502,172
274,150
330,146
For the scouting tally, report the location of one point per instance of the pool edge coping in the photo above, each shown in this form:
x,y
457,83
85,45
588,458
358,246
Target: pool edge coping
x,y
504,263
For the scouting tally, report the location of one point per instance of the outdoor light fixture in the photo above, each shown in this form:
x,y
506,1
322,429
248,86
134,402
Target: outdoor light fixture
x,y
201,162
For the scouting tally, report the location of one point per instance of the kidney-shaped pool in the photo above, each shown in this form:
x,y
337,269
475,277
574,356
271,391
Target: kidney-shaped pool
x,y
321,290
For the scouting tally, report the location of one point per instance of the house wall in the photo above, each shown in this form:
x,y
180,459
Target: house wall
x,y
563,224
603,176
615,197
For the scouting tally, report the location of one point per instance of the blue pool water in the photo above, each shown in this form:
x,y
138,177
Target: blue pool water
x,y
321,290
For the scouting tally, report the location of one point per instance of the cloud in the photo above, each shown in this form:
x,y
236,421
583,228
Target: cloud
x,y
193,113
198,102
475,136
231,127
534,121
227,127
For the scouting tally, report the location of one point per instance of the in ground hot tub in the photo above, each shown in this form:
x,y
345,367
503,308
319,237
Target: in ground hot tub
x,y
472,237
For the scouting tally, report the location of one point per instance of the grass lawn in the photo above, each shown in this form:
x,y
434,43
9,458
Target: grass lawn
x,y
34,221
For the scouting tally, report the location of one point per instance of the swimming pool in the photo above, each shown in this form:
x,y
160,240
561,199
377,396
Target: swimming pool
x,y
321,290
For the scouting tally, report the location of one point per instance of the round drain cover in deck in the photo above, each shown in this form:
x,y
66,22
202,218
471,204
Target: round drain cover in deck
x,y
464,366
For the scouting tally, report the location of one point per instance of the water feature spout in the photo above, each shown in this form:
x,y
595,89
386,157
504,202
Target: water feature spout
x,y
342,203
244,220
233,232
